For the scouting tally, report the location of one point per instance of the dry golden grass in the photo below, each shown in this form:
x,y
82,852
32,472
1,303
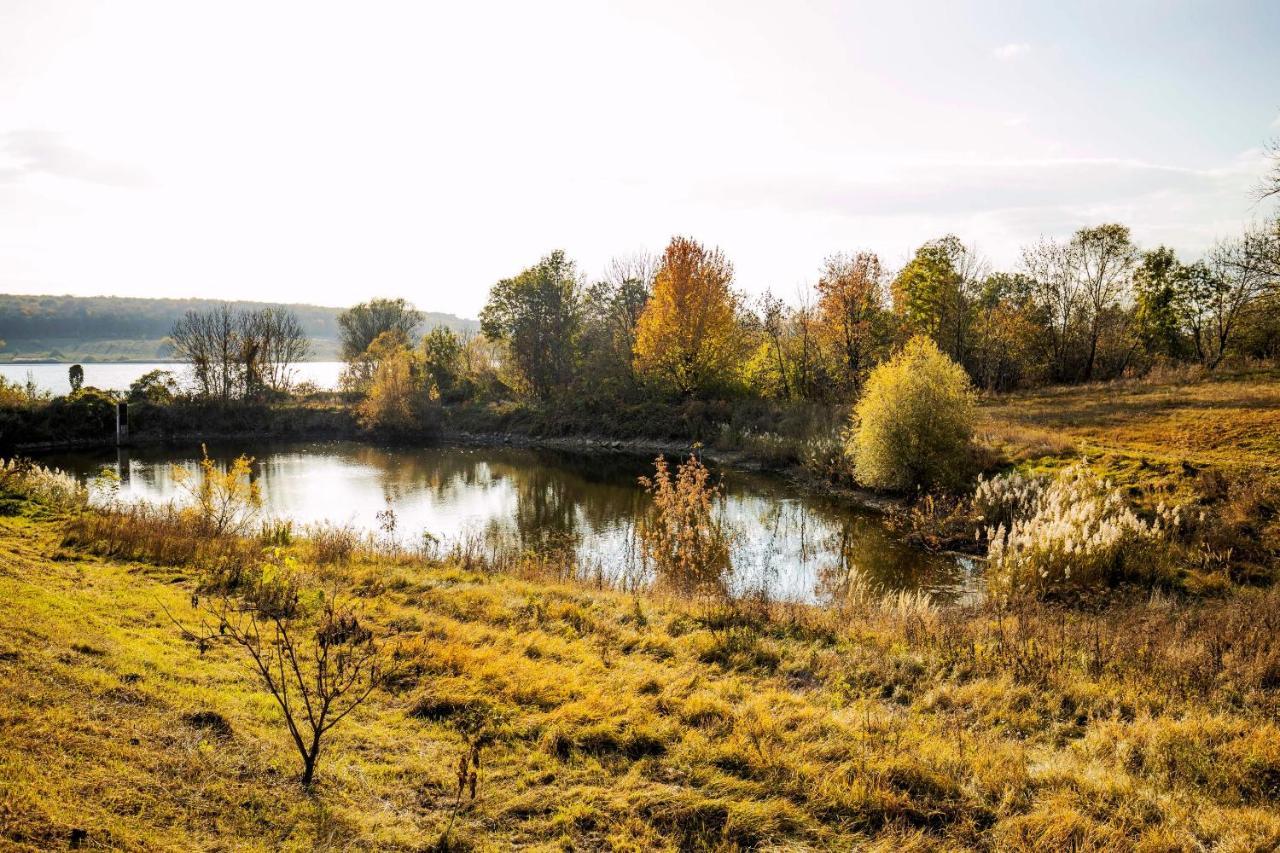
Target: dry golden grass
x,y
623,723
1232,420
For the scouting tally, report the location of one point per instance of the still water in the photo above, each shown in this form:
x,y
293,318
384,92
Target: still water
x,y
796,546
118,376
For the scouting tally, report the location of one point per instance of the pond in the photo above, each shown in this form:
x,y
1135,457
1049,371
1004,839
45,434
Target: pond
x,y
794,545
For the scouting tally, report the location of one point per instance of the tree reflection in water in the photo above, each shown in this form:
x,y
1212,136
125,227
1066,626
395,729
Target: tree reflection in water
x,y
576,508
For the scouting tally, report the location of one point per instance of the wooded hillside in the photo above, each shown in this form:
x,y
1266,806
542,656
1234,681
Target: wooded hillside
x,y
133,328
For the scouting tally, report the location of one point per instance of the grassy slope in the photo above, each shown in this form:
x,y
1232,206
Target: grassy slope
x,y
1143,432
625,724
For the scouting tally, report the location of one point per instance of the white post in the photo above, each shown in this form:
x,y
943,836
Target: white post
x,y
122,424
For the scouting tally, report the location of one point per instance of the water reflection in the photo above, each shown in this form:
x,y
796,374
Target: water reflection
x,y
792,546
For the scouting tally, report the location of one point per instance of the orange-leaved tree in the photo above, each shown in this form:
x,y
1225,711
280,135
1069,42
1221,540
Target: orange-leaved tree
x,y
851,321
688,337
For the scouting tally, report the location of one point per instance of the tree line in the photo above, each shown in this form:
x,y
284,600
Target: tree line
x,y
1090,307
1093,306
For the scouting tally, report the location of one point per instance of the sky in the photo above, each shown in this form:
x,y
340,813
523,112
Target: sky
x,y
330,152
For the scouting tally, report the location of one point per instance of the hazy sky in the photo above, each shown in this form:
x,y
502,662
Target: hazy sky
x,y
324,152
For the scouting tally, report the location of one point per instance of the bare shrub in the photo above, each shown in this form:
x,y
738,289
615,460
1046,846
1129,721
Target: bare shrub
x,y
318,668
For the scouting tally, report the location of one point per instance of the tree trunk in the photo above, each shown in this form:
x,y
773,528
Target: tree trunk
x,y
309,762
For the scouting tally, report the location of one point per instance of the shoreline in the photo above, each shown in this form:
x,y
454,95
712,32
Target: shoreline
x,y
794,475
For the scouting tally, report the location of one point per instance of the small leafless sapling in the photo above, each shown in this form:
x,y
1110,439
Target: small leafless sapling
x,y
318,670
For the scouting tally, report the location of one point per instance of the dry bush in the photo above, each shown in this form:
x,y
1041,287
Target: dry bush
x,y
685,537
318,669
332,544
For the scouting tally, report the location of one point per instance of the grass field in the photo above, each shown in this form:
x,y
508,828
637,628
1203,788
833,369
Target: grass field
x,y
634,723
1139,722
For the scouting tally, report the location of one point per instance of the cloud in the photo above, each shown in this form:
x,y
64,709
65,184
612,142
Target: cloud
x,y
1016,198
966,186
35,152
1011,51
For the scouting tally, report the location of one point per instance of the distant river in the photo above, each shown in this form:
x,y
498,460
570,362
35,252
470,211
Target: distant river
x,y
118,376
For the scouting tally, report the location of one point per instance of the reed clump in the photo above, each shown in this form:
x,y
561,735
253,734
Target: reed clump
x,y
1072,531
28,480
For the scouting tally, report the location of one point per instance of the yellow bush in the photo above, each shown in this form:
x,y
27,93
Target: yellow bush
x,y
914,421
221,502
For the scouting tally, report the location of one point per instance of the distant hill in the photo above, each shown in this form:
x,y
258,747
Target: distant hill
x,y
118,328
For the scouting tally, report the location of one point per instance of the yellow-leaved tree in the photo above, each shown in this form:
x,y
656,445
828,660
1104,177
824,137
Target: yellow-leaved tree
x,y
688,337
914,421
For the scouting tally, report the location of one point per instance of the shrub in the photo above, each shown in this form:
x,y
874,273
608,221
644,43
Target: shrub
x,y
1069,532
685,537
222,501
154,386
914,422
331,662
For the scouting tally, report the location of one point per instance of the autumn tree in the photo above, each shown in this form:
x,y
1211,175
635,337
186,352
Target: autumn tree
x,y
850,314
688,336
537,315
396,393
360,325
441,359
933,294
1007,337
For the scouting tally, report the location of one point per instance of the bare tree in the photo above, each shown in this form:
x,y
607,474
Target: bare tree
x,y
1238,273
611,309
193,343
1269,186
1106,258
238,353
317,679
273,343
1057,290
